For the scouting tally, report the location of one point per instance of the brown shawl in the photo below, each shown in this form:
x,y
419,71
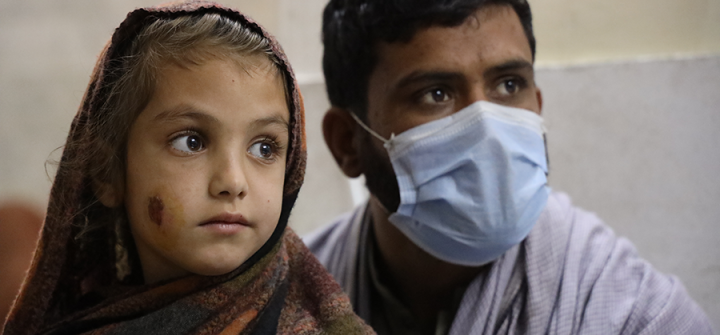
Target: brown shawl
x,y
281,289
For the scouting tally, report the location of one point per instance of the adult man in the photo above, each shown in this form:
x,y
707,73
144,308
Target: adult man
x,y
435,103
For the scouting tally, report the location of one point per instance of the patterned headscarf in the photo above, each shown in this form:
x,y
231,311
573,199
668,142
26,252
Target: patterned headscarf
x,y
73,285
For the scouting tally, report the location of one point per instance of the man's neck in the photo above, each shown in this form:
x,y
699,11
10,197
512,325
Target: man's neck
x,y
422,282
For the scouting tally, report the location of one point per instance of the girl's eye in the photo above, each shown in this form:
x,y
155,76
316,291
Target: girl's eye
x,y
188,143
435,96
263,150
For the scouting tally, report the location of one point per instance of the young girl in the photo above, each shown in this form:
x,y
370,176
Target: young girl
x,y
169,210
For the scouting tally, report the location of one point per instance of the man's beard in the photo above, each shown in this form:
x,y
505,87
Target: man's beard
x,y
379,174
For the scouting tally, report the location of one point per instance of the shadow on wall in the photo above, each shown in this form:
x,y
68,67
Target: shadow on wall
x,y
20,225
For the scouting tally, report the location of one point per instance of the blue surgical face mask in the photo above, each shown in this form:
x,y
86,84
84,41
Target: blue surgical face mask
x,y
473,184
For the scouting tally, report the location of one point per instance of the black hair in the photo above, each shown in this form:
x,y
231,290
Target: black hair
x,y
352,28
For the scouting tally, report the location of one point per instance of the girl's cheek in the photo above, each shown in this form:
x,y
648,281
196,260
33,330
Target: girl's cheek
x,y
167,218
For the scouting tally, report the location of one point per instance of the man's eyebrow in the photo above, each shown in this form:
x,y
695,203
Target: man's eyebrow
x,y
510,65
270,120
428,76
184,112
446,76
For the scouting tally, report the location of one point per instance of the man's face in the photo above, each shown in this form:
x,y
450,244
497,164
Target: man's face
x,y
440,71
444,69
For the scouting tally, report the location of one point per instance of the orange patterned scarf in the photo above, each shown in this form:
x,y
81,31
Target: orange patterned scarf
x,y
286,292
74,286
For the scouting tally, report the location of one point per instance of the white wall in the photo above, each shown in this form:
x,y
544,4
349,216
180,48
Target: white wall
x,y
635,141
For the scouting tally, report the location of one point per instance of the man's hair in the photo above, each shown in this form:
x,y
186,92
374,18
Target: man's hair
x,y
352,29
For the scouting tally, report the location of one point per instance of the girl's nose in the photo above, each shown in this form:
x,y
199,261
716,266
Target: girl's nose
x,y
228,179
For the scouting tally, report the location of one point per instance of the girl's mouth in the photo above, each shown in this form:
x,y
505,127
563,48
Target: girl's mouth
x,y
227,223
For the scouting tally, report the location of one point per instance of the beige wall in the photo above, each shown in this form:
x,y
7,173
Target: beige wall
x,y
600,30
568,31
49,48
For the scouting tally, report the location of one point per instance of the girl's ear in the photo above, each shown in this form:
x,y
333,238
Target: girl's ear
x,y
109,195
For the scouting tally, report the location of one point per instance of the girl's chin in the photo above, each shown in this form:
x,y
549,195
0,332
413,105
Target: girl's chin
x,y
217,269
215,260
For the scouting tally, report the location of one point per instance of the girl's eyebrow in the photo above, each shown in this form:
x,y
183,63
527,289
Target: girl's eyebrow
x,y
184,112
270,120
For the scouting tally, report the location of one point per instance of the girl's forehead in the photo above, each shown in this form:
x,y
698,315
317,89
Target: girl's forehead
x,y
254,66
249,62
222,88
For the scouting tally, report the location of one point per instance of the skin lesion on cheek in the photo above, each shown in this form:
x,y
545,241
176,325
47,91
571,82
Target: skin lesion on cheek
x,y
155,210
167,215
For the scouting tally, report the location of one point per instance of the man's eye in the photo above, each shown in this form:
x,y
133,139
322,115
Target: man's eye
x,y
263,150
435,96
509,87
188,143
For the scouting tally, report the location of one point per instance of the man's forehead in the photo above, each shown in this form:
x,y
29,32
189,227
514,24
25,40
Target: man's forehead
x,y
493,35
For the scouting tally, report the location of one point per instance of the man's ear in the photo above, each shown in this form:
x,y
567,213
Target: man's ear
x,y
109,195
339,131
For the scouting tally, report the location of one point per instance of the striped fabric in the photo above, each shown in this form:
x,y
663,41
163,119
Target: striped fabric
x,y
571,275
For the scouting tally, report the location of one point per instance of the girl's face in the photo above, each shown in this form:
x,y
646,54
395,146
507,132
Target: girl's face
x,y
205,167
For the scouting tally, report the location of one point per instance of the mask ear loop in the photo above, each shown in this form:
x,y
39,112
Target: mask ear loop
x,y
382,206
386,143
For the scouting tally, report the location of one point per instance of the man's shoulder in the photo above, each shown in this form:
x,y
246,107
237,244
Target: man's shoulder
x,y
574,258
332,240
324,236
565,230
574,247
